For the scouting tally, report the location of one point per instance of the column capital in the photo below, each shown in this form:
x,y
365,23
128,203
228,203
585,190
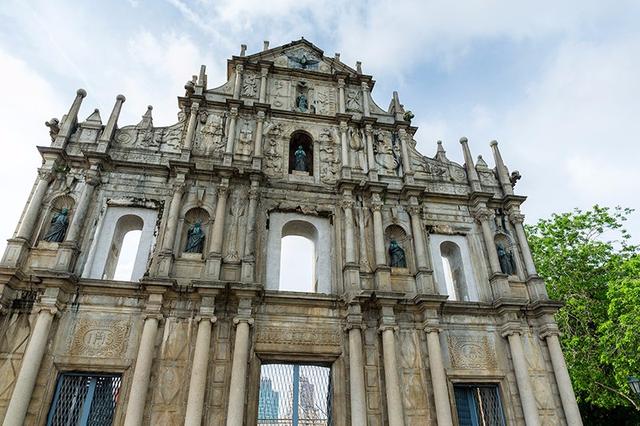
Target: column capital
x,y
353,324
241,318
414,210
347,202
431,326
384,327
51,309
344,126
482,214
516,217
264,71
364,85
179,186
548,330
211,318
222,190
239,68
45,174
260,115
341,83
510,328
253,193
92,178
152,315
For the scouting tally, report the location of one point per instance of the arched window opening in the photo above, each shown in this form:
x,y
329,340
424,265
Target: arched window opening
x,y
298,257
454,271
123,251
301,154
127,256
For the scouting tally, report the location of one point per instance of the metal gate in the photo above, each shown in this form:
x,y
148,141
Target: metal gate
x,y
83,399
294,395
478,405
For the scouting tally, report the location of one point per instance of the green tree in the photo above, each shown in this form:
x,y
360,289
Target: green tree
x,y
588,262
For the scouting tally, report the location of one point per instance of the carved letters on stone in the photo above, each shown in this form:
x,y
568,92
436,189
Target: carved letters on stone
x,y
100,338
299,336
472,352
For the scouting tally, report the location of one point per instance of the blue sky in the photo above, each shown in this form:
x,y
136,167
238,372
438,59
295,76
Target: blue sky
x,y
556,83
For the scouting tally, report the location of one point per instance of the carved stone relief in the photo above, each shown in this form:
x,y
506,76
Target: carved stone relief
x,y
299,335
356,143
273,150
210,138
353,101
245,138
387,154
249,85
100,338
280,94
471,352
325,100
237,210
329,158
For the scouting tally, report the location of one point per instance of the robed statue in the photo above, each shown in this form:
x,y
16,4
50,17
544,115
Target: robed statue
x,y
195,239
507,262
58,227
300,161
396,255
302,103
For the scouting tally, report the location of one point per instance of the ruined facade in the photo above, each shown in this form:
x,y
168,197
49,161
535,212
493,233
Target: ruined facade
x,y
425,306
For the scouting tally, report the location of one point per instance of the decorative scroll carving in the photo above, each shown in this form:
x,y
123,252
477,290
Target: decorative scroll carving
x,y
472,352
100,338
299,336
273,151
250,86
329,161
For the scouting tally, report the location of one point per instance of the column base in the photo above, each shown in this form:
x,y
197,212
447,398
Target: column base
x,y
373,175
383,278
66,258
424,281
408,179
16,251
248,266
213,266
256,163
351,277
346,172
185,155
500,286
164,264
227,158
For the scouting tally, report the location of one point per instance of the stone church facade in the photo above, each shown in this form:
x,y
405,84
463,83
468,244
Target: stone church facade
x,y
424,308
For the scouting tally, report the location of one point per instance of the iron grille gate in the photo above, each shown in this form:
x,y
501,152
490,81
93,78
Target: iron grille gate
x,y
294,395
478,405
83,399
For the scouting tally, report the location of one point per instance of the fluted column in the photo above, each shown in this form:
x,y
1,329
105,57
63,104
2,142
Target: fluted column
x,y
341,106
565,389
418,235
81,211
393,392
257,147
25,382
517,220
237,386
349,233
238,81
378,231
438,377
371,159
521,370
142,372
174,214
249,258
231,137
344,145
199,367
482,215
35,205
406,161
217,230
356,368
191,126
263,84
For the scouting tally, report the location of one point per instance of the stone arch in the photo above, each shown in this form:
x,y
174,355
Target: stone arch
x,y
304,139
313,228
452,267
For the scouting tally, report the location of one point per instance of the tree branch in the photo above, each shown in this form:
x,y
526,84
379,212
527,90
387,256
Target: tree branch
x,y
619,393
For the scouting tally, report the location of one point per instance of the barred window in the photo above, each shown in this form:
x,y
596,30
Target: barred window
x,y
84,399
294,395
478,405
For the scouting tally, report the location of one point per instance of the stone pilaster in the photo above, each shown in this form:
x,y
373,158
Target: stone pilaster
x,y
264,71
238,81
191,129
372,173
365,98
231,136
166,254
214,259
356,367
512,332
341,105
249,257
388,328
550,333
406,161
344,150
424,275
438,374
257,144
237,386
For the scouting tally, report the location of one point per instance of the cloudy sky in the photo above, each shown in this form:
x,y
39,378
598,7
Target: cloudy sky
x,y
556,83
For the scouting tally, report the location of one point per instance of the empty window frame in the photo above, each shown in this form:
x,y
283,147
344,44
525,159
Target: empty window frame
x,y
454,271
298,264
295,395
478,405
83,399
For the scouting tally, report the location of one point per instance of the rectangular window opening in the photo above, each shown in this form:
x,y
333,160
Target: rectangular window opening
x,y
479,405
295,395
83,399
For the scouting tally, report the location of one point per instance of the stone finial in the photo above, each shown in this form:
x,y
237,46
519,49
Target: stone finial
x,y
243,49
441,154
94,117
202,77
480,163
265,45
337,56
147,118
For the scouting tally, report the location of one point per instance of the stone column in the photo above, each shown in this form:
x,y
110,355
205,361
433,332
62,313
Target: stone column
x,y
482,215
231,137
438,377
142,372
199,367
174,215
35,205
238,81
25,382
365,99
341,107
418,235
565,389
356,365
406,161
517,219
393,392
344,145
263,84
349,233
521,370
237,386
257,148
191,126
217,230
249,258
371,159
378,231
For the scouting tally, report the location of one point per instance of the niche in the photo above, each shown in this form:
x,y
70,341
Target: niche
x,y
398,247
301,154
194,232
57,220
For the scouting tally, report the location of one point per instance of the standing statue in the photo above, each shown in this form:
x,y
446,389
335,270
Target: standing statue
x,y
302,104
396,255
58,227
195,239
300,163
507,264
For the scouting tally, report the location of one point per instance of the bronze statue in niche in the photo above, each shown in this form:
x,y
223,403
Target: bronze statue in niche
x,y
397,258
195,239
58,227
301,153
